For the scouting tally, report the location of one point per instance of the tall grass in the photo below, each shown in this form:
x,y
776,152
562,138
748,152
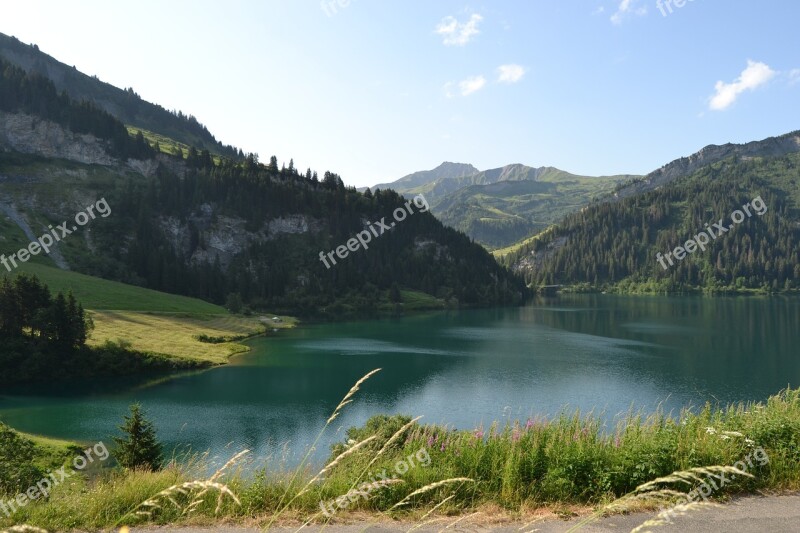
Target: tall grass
x,y
571,459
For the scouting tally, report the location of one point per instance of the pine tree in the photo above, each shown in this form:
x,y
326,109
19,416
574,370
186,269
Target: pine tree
x,y
138,448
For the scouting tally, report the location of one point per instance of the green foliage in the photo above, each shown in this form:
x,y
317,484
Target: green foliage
x,y
234,302
43,339
27,310
284,274
501,206
99,294
383,426
23,362
394,294
37,95
138,448
562,461
17,468
125,104
617,242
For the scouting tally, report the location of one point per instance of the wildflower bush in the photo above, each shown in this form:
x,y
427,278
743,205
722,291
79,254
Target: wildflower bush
x,y
572,459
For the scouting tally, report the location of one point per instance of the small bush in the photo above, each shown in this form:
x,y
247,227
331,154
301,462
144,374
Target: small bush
x,y
17,471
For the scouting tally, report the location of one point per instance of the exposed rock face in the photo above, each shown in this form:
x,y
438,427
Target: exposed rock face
x,y
9,210
223,237
31,135
148,167
771,147
290,224
534,260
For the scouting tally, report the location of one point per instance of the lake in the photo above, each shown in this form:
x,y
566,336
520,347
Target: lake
x,y
464,368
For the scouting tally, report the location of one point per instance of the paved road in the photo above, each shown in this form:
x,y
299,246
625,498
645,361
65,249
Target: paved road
x,y
773,514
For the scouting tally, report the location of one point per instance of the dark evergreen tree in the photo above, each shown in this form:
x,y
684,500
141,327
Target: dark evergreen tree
x,y
138,448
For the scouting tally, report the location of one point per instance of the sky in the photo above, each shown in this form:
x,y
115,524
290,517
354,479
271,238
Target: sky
x,y
374,90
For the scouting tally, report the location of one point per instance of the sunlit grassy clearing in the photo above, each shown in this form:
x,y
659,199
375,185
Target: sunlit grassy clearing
x,y
176,335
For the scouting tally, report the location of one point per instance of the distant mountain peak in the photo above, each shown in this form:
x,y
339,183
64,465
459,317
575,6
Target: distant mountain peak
x,y
447,170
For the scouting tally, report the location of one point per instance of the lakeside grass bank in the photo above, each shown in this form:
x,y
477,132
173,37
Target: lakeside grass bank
x,y
157,323
568,462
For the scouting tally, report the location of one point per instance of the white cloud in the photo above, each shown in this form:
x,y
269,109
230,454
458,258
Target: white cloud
x,y
755,75
626,7
471,85
510,73
455,33
794,76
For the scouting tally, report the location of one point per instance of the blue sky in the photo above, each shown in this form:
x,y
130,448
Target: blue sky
x,y
374,90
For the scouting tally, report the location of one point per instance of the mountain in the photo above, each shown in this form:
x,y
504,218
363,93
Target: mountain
x,y
501,206
743,199
773,146
221,229
126,105
444,171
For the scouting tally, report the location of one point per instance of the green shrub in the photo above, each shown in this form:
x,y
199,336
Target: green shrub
x,y
17,471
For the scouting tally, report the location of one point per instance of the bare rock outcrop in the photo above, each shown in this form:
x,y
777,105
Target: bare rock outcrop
x,y
32,135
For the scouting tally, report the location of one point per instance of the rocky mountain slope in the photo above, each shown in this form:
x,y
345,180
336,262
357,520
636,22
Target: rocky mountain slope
x,y
711,154
123,104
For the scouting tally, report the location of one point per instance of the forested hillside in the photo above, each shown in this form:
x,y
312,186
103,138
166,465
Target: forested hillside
x,y
126,105
618,242
227,230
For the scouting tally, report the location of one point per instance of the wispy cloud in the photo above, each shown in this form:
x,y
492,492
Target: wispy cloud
x,y
464,87
510,73
455,33
627,7
471,85
794,76
755,75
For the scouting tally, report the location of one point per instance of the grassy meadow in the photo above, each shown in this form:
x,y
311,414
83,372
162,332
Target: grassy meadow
x,y
100,294
156,322
178,335
517,470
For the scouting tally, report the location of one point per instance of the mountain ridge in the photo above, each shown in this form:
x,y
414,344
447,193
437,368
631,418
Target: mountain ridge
x,y
614,243
446,170
126,105
501,206
778,145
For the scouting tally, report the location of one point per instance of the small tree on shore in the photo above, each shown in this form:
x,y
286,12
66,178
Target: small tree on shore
x,y
138,448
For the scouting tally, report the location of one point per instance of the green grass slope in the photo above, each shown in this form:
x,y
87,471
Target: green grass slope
x,y
502,213
100,294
